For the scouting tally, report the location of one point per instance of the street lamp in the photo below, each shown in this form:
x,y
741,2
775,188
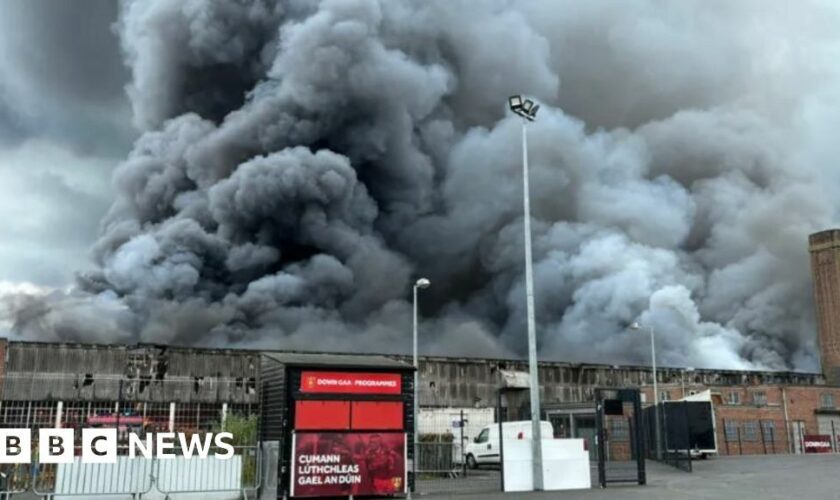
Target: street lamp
x,y
637,326
419,284
526,109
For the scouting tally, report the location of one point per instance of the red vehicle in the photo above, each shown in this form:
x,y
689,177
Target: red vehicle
x,y
123,423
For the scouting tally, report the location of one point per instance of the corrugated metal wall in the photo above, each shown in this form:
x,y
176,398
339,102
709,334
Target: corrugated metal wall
x,y
66,372
274,400
69,372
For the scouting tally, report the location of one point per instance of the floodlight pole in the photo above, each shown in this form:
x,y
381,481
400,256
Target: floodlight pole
x,y
416,401
421,283
533,373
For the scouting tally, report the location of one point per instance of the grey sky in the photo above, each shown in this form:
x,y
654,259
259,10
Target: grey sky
x,y
64,124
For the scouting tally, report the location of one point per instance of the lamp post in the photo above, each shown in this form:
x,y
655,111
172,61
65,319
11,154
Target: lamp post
x,y
419,284
527,110
637,326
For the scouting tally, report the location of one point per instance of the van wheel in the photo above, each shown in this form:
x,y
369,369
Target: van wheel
x,y
471,463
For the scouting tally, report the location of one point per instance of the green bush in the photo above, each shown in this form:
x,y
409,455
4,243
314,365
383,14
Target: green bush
x,y
244,430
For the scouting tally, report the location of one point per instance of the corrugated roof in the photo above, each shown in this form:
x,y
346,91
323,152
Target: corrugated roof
x,y
337,360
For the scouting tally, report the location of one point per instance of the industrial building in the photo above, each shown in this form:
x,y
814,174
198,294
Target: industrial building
x,y
73,385
178,388
173,388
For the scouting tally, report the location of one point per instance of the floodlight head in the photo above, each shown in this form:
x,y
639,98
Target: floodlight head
x,y
422,283
635,326
526,108
527,105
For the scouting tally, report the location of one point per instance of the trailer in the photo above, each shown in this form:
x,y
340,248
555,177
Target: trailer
x,y
690,425
343,424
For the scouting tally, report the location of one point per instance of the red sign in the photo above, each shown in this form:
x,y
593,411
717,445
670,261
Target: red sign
x,y
351,383
344,464
817,443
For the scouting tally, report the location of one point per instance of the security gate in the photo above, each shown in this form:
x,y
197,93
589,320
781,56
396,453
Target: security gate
x,y
620,438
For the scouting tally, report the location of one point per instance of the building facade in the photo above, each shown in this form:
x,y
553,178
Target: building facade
x,y
132,387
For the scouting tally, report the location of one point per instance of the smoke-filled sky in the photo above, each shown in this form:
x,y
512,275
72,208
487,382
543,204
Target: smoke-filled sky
x,y
277,174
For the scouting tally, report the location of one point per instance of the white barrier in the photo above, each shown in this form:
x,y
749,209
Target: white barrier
x,y
211,478
565,465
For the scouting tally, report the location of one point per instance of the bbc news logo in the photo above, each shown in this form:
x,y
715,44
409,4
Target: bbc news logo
x,y
57,446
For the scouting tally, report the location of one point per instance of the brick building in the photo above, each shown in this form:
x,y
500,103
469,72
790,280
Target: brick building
x,y
766,418
825,268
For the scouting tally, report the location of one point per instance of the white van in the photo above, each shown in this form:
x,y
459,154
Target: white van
x,y
484,449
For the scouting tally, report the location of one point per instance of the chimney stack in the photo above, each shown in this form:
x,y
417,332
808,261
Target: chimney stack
x,y
825,269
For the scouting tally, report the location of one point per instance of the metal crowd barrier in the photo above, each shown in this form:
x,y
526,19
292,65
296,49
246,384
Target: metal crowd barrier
x,y
14,479
139,476
242,474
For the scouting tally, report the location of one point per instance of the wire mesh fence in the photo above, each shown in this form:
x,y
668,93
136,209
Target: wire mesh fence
x,y
759,437
669,434
455,452
140,415
179,473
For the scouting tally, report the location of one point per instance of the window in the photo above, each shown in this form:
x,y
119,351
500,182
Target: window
x,y
760,398
768,429
619,429
827,400
734,398
484,436
730,428
561,425
664,396
750,431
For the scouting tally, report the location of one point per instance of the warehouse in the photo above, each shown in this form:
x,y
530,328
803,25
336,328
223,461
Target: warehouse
x,y
174,388
72,385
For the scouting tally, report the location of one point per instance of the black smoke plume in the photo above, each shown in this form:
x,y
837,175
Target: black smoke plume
x,y
302,163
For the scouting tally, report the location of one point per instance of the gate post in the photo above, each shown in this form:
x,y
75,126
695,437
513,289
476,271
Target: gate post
x,y
640,452
501,440
599,436
763,441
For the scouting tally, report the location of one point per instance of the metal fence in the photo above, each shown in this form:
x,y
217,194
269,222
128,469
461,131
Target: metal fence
x,y
132,405
758,437
14,479
239,476
447,461
668,433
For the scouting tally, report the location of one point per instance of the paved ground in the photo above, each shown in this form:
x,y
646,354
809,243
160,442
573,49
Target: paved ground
x,y
781,477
